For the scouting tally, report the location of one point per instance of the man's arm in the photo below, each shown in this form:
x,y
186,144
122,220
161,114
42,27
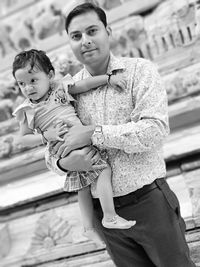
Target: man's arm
x,y
149,119
78,136
79,160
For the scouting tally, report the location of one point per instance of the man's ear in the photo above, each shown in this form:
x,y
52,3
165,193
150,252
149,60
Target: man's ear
x,y
51,75
109,31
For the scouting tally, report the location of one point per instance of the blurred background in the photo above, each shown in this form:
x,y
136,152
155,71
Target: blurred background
x,y
39,223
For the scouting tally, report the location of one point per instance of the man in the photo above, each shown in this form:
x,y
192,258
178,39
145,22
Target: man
x,y
130,126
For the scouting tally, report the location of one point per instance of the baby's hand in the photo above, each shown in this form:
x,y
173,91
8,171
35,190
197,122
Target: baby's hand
x,y
56,132
118,81
18,143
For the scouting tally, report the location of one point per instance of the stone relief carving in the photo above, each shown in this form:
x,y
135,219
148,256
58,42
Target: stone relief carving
x,y
50,231
167,28
5,241
183,84
7,44
48,21
195,198
19,34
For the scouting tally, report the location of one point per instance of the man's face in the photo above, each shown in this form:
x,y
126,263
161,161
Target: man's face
x,y
89,40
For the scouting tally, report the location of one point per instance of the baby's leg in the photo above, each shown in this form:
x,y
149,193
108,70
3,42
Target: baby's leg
x,y
86,208
105,194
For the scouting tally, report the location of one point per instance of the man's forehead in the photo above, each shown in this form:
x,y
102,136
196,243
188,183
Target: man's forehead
x,y
84,21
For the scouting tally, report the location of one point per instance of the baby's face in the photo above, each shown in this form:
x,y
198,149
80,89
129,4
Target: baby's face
x,y
34,83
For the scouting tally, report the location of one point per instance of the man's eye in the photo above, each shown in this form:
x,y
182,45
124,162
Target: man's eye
x,y
33,80
76,37
92,31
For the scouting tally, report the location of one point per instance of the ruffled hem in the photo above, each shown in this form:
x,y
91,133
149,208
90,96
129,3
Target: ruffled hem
x,y
76,181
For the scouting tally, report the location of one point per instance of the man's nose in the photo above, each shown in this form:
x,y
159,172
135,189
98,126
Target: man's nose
x,y
86,40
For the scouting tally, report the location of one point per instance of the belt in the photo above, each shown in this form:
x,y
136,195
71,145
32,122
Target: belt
x,y
133,196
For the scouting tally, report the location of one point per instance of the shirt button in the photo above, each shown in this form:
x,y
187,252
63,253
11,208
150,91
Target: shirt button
x,y
128,149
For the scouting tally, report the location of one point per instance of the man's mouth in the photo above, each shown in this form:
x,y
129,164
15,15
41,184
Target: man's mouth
x,y
88,51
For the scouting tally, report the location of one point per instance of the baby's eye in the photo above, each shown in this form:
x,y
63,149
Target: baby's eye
x,y
21,84
33,80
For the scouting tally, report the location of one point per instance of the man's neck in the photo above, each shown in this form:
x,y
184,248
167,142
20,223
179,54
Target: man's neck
x,y
98,69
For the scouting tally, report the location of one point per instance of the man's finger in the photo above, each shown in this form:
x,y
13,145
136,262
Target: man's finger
x,y
59,139
54,146
68,123
63,127
124,83
90,154
95,158
57,123
65,152
86,149
60,150
62,132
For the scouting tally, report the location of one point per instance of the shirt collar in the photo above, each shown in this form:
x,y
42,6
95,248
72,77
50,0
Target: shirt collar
x,y
114,65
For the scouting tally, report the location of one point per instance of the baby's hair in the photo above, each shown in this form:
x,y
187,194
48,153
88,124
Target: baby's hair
x,y
36,58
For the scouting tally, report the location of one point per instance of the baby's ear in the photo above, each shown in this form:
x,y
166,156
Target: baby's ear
x,y
51,74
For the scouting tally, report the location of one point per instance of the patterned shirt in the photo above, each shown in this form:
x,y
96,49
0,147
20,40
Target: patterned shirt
x,y
134,123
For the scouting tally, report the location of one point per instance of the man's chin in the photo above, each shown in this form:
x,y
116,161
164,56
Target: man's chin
x,y
88,61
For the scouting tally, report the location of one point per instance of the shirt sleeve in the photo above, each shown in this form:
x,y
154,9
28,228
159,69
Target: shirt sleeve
x,y
19,114
149,119
25,113
67,82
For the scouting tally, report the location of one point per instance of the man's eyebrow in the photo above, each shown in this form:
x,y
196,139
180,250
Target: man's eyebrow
x,y
88,28
91,27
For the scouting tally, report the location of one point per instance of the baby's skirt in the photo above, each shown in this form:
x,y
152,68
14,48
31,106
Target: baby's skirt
x,y
76,180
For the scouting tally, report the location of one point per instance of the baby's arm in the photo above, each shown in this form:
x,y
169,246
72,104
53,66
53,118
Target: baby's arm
x,y
27,138
96,81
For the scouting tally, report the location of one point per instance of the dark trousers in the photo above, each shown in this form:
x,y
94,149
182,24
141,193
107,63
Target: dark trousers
x,y
157,239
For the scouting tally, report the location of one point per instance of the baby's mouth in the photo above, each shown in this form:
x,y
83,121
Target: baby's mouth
x,y
32,94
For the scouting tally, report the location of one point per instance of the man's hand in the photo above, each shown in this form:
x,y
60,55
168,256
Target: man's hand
x,y
80,160
77,136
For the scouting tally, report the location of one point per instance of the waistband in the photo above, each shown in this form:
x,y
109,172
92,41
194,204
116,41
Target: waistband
x,y
133,196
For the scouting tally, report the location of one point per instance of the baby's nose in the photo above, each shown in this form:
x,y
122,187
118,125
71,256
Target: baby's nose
x,y
29,87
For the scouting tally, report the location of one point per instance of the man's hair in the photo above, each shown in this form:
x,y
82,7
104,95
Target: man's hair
x,y
83,9
34,58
